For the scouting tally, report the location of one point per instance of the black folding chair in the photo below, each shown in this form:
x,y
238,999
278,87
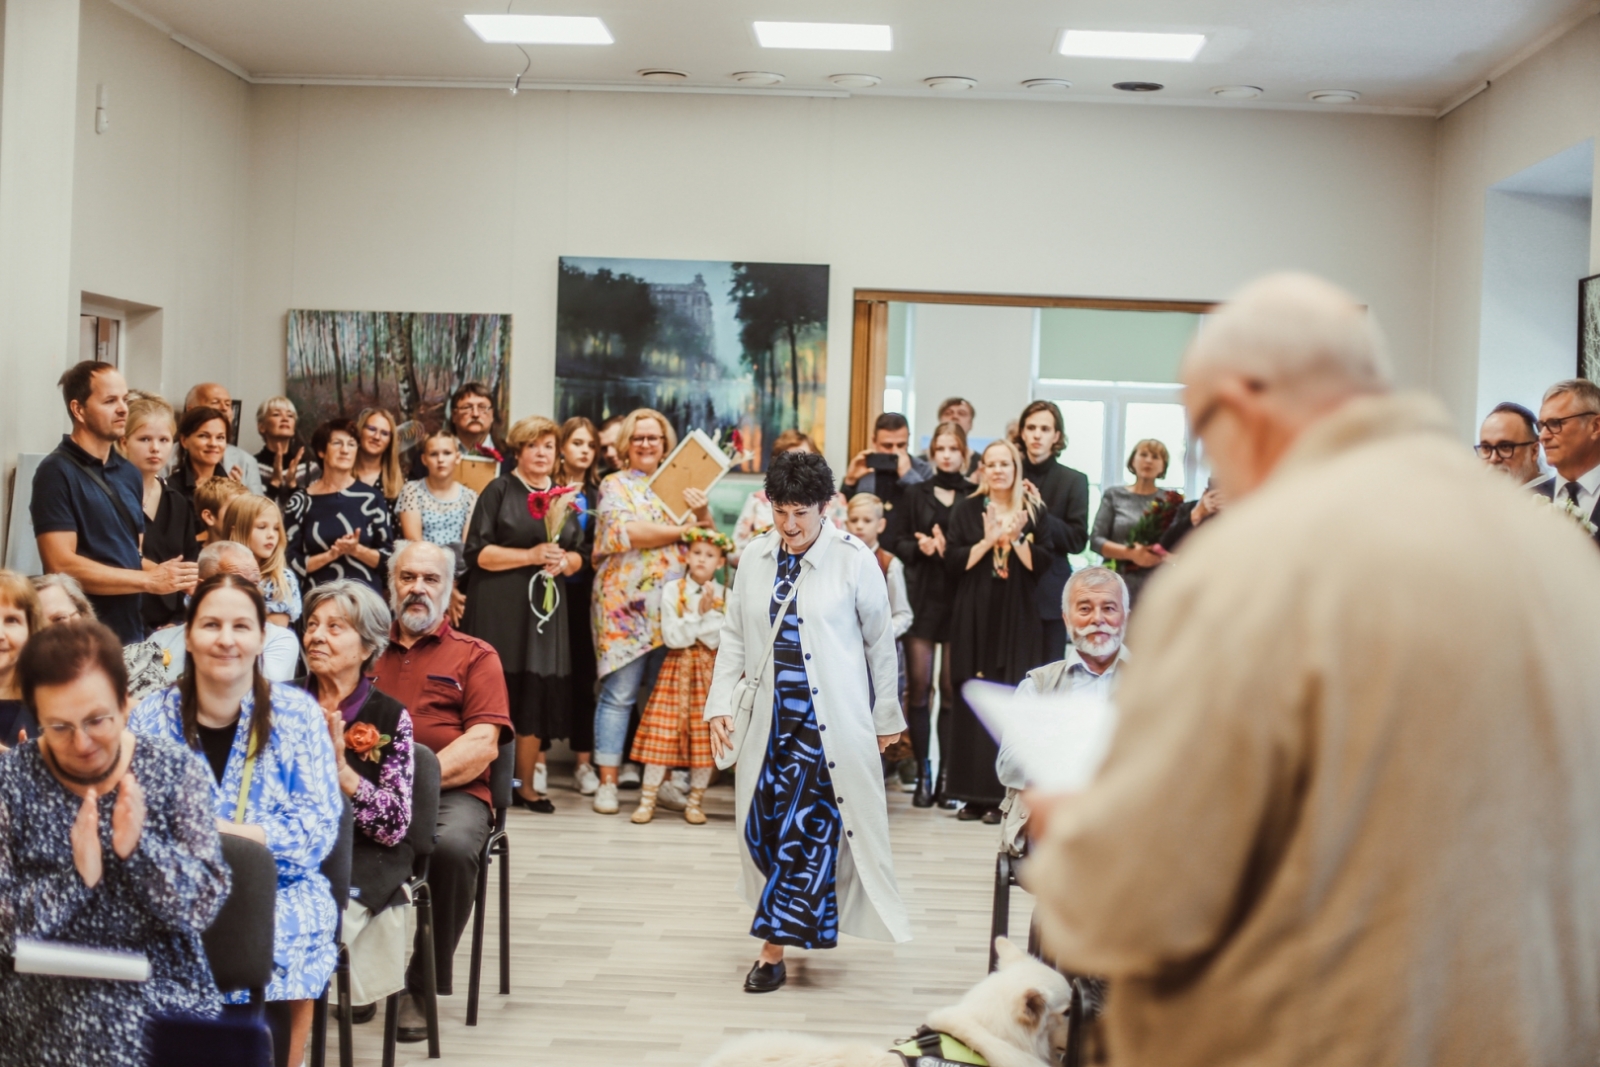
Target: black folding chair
x,y
1005,876
497,845
238,943
421,837
336,869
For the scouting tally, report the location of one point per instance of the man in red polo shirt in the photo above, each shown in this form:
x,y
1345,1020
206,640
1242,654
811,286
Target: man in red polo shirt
x,y
455,689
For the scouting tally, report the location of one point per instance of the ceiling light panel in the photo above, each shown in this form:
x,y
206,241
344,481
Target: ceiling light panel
x,y
835,36
539,29
1110,44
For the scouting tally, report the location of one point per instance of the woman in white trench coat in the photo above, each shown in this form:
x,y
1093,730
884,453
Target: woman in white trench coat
x,y
810,801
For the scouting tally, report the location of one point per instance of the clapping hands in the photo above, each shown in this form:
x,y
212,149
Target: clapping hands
x,y
127,824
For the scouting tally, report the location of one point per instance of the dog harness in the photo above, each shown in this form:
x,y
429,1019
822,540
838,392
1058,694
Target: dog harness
x,y
928,1048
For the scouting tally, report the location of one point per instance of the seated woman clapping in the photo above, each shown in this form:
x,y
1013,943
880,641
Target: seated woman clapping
x,y
275,778
107,840
347,629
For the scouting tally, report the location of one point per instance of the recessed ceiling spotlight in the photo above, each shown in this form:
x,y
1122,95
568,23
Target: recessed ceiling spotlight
x,y
1138,87
948,84
1109,44
539,29
658,74
1334,96
839,36
1047,84
855,81
1237,92
757,77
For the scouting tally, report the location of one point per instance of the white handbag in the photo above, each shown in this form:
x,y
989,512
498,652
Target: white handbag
x,y
746,688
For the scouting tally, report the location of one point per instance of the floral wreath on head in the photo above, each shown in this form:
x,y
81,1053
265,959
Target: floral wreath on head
x,y
715,537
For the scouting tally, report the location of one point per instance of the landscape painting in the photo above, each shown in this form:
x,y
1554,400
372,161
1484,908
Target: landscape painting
x,y
408,362
1589,328
715,346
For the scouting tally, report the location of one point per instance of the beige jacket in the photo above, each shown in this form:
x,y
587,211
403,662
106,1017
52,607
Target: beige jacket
x,y
1352,811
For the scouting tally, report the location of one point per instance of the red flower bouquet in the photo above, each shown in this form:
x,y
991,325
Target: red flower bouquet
x,y
1151,527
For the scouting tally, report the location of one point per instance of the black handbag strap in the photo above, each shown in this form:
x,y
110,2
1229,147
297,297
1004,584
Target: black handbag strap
x,y
97,479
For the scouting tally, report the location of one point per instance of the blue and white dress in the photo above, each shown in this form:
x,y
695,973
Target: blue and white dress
x,y
285,601
793,827
294,797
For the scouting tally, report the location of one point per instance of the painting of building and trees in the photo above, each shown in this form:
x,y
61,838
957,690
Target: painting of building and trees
x,y
712,345
408,362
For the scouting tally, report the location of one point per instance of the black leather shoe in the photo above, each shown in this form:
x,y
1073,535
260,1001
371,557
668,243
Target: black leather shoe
x,y
923,796
993,817
411,1024
970,813
543,805
765,977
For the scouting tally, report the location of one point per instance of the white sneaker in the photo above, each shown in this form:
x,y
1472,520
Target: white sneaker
x,y
605,799
629,776
541,779
671,797
586,780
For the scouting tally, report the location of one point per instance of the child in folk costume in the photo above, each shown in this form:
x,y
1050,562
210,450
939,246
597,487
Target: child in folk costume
x,y
671,731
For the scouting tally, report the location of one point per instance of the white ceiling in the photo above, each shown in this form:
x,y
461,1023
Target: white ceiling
x,y
1399,54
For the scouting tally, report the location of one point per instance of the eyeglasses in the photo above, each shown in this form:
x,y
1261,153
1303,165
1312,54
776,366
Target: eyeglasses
x,y
99,726
1554,425
647,439
474,409
379,431
1503,449
64,616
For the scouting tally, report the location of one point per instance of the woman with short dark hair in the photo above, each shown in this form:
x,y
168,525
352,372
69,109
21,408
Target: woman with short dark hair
x,y
274,779
339,526
108,840
807,723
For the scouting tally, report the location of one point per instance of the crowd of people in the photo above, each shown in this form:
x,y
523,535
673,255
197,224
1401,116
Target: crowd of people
x,y
301,621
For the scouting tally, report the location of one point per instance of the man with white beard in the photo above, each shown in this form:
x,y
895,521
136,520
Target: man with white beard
x,y
1094,605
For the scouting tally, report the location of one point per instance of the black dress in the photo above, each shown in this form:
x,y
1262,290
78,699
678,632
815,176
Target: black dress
x,y
930,584
995,634
535,654
171,534
580,632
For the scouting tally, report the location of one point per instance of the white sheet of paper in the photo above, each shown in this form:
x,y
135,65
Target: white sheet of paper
x,y
1060,738
79,961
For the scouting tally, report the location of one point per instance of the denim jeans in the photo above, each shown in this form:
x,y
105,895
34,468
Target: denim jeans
x,y
619,692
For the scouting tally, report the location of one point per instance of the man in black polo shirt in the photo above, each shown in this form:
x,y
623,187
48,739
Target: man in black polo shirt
x,y
88,506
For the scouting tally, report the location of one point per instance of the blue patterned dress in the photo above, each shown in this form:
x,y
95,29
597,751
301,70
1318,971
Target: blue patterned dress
x,y
294,797
793,828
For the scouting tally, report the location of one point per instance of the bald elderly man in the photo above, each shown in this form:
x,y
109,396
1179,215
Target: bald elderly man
x,y
1351,813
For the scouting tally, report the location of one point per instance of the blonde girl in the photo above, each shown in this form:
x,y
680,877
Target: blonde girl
x,y
255,522
147,442
378,452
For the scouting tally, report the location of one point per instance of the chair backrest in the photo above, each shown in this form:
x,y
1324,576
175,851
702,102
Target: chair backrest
x,y
336,866
424,800
500,775
239,942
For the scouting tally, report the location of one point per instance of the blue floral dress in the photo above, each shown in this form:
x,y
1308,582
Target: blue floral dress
x,y
157,901
793,827
294,796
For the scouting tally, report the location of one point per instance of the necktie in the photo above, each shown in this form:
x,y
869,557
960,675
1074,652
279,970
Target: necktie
x,y
1573,489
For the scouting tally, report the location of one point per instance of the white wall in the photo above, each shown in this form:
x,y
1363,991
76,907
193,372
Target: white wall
x,y
1542,107
462,200
1535,249
984,354
159,197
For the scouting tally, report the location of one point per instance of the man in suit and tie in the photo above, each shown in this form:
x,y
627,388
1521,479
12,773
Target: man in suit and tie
x,y
1569,430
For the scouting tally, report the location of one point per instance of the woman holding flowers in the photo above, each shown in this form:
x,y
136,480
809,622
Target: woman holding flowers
x,y
1121,508
523,539
995,632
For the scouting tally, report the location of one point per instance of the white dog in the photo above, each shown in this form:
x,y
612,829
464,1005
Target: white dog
x,y
1016,1017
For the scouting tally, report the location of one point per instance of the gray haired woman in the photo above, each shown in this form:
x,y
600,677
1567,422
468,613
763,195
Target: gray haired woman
x,y
347,629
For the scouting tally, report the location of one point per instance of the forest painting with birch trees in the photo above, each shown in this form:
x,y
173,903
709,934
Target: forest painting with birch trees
x,y
408,362
712,345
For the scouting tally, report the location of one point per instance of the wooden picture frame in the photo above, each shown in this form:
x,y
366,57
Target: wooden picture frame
x,y
1589,328
697,463
475,472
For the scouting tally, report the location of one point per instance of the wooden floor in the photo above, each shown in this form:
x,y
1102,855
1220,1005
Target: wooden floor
x,y
630,943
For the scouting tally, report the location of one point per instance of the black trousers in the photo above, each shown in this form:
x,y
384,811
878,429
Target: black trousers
x,y
463,830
